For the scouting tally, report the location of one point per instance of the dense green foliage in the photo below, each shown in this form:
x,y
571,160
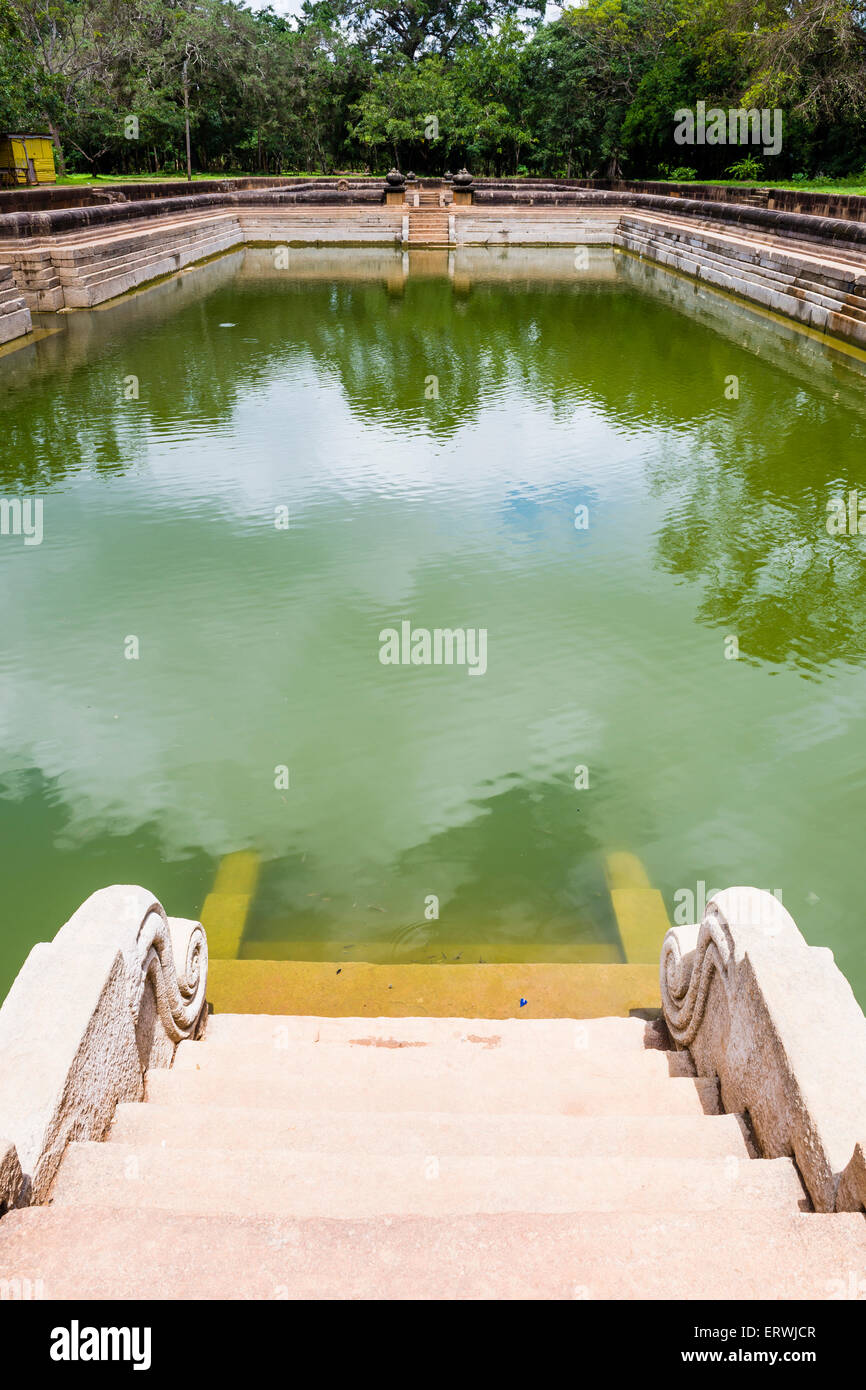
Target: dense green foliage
x,y
428,84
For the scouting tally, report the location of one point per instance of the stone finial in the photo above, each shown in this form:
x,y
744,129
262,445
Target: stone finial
x,y
394,179
463,179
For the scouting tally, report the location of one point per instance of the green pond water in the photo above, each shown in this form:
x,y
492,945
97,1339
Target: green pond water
x,y
307,393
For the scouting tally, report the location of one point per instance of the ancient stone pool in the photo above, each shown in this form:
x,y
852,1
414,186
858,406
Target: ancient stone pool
x,y
247,475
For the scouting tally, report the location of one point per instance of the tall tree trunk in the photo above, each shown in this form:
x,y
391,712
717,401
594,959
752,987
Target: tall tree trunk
x,y
58,148
186,120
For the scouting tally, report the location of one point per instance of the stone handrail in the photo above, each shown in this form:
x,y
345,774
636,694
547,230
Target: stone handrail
x,y
115,991
776,1022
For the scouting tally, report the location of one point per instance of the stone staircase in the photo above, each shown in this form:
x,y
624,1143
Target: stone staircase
x,y
428,224
299,1157
90,267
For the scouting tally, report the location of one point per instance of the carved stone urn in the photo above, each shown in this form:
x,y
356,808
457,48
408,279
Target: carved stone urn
x,y
395,188
462,184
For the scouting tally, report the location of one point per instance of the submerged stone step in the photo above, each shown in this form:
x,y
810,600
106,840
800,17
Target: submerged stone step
x,y
87,1252
345,1186
193,1127
356,988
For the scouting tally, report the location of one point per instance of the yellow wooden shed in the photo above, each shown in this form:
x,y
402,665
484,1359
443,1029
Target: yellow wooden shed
x,y
26,159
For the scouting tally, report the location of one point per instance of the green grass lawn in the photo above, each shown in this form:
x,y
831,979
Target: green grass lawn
x,y
856,184
75,179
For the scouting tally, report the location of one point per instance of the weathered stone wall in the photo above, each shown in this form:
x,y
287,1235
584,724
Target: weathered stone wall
x,y
15,318
580,226
58,221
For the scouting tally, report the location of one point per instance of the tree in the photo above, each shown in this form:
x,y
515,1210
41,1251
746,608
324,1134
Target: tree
x,y
415,27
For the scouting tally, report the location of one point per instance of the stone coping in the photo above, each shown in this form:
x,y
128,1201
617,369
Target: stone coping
x,y
115,991
774,220
55,222
851,206
776,1022
848,206
46,197
833,230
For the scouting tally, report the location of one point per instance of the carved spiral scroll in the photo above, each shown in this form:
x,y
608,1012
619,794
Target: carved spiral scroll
x,y
173,957
169,953
686,977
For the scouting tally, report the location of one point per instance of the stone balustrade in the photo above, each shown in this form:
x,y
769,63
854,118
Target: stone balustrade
x,y
112,995
776,1022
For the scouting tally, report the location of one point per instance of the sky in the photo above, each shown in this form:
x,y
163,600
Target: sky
x,y
293,7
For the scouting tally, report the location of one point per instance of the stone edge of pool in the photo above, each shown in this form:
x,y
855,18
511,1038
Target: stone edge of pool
x,y
774,251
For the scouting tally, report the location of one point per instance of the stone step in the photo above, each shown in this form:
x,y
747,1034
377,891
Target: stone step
x,y
93,271
349,1186
315,1084
87,1252
829,285
14,323
729,276
749,241
838,257
89,290
372,1055
553,1034
109,250
198,1127
801,282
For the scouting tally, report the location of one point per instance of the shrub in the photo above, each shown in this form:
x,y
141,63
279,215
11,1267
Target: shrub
x,y
684,174
746,168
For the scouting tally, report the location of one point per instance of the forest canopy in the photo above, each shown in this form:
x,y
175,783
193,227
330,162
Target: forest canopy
x,y
431,84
